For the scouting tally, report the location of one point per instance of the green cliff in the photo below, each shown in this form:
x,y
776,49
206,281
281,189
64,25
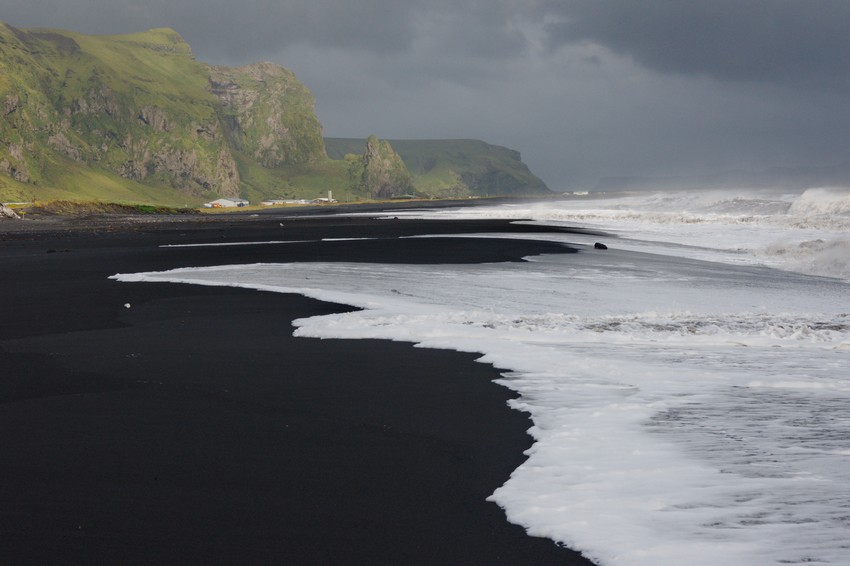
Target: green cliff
x,y
382,173
455,168
268,114
136,117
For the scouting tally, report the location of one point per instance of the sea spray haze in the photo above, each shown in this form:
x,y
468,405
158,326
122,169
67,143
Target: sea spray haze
x,y
688,386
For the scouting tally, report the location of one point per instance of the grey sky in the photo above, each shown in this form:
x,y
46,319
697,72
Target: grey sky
x,y
583,88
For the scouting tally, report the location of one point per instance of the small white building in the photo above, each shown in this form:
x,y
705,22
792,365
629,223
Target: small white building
x,y
227,203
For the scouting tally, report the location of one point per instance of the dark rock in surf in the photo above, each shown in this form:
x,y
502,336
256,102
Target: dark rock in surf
x,y
599,246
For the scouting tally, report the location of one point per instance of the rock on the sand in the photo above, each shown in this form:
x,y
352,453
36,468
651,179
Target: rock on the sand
x,y
6,212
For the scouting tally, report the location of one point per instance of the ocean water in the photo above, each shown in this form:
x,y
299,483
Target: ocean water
x,y
689,387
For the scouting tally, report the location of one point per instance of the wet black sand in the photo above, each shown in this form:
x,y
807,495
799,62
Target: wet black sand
x,y
193,428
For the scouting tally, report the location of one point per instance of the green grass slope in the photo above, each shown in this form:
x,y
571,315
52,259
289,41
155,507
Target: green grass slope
x,y
455,168
136,118
299,181
107,116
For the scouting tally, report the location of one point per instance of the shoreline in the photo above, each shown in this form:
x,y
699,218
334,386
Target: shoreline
x,y
193,427
81,220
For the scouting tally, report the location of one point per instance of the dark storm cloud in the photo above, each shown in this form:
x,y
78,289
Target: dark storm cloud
x,y
781,41
249,29
232,29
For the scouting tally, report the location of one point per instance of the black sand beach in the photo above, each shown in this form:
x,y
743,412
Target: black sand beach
x,y
193,428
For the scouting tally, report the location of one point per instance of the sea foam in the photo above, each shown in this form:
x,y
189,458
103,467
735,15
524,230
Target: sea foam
x,y
683,411
807,232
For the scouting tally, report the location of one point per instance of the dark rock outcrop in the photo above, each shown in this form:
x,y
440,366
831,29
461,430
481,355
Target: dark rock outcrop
x,y
384,173
268,114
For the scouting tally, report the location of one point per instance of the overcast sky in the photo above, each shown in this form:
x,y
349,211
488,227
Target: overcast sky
x,y
583,88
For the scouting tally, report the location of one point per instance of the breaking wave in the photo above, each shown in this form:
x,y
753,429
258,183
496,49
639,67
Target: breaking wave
x,y
803,232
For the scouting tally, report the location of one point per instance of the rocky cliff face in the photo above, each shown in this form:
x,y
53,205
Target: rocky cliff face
x,y
141,108
268,114
384,173
451,168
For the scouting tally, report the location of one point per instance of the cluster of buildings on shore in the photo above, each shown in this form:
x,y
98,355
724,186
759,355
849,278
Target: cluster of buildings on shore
x,y
240,202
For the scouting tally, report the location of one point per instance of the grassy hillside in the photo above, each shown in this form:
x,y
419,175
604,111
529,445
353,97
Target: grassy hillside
x,y
136,118
105,117
78,182
300,181
455,168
